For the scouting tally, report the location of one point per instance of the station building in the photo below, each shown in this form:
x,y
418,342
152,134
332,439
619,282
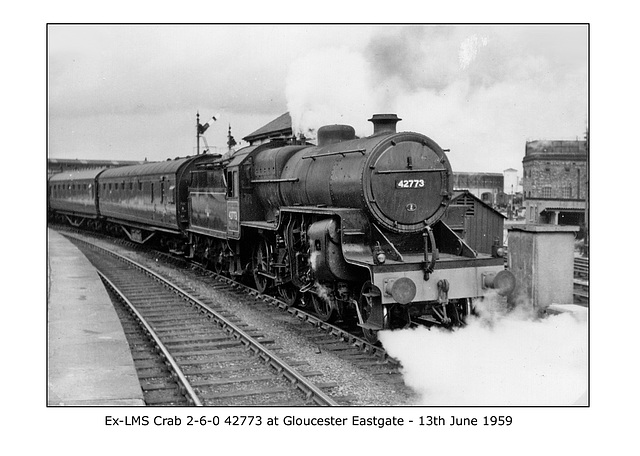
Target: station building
x,y
555,182
278,128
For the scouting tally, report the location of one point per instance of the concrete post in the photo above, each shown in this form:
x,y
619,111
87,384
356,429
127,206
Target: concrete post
x,y
541,258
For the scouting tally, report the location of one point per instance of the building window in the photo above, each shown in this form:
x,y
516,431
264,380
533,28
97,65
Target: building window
x,y
546,192
566,192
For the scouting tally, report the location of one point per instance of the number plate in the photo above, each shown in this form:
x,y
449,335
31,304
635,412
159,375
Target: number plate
x,y
410,183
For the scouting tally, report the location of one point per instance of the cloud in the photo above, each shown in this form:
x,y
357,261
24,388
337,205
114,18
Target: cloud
x,y
480,91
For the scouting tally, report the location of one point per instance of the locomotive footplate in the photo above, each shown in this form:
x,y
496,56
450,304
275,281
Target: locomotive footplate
x,y
469,279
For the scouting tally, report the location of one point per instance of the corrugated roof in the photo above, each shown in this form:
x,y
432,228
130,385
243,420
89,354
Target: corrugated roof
x,y
281,124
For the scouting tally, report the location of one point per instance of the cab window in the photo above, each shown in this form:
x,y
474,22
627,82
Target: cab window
x,y
232,184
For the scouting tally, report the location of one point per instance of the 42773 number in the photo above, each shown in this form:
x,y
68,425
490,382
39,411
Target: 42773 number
x,y
410,183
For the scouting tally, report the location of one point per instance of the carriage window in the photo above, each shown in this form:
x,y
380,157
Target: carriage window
x,y
140,186
171,198
152,192
161,192
130,185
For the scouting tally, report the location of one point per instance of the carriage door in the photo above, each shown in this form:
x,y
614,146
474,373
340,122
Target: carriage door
x,y
233,206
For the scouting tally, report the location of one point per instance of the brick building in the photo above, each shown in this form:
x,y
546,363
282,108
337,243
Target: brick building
x,y
555,182
485,186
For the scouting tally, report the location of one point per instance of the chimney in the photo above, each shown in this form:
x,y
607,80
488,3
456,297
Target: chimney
x,y
384,123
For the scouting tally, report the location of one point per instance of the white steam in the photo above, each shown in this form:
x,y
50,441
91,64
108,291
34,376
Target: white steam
x,y
322,87
469,49
498,359
481,92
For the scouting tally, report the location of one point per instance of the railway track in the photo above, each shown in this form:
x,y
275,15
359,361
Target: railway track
x,y
211,358
364,374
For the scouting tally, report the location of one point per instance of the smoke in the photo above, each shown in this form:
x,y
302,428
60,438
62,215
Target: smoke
x,y
479,91
329,86
500,358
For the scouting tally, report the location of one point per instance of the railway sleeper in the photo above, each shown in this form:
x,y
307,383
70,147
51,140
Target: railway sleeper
x,y
246,393
231,381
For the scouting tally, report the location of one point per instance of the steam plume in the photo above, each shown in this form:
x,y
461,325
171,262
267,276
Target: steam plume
x,y
498,359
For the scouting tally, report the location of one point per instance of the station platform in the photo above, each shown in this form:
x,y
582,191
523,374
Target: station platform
x,y
88,359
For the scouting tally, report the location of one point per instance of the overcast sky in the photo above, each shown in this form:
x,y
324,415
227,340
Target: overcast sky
x,y
132,92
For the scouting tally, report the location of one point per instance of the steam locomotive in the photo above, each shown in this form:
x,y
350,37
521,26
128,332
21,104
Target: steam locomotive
x,y
351,226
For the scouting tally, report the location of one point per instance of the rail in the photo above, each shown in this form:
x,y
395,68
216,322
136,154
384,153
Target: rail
x,y
581,267
310,390
186,387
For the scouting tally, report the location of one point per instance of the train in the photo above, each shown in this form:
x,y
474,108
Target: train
x,y
351,226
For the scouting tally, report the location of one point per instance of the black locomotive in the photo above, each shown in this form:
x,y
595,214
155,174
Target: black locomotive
x,y
351,225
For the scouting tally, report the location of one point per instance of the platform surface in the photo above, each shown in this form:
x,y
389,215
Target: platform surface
x,y
88,358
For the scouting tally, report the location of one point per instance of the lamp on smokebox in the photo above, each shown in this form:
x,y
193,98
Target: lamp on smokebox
x,y
378,254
